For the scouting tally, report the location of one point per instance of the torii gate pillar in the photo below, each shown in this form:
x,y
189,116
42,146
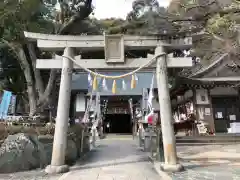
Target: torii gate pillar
x,y
61,126
169,142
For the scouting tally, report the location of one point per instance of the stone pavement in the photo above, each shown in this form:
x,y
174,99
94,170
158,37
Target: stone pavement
x,y
208,171
209,162
116,158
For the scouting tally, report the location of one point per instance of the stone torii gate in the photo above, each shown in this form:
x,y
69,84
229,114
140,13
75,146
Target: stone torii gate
x,y
114,46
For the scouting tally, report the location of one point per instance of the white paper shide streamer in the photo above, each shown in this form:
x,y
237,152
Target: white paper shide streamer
x,y
90,80
124,86
104,84
136,78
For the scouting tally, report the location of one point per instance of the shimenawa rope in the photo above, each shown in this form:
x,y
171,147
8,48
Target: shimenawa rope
x,y
119,76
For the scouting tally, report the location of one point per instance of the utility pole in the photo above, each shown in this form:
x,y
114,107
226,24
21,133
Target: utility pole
x,y
169,141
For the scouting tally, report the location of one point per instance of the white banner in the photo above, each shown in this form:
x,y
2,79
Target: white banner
x,y
150,96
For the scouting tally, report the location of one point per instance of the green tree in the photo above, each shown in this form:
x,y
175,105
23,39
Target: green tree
x,y
218,21
43,16
11,76
145,18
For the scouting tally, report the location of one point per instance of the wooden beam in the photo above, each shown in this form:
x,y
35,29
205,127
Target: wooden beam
x,y
101,63
59,42
219,79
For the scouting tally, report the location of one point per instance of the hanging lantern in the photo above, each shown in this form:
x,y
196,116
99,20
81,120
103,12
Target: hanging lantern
x,y
95,83
114,87
133,82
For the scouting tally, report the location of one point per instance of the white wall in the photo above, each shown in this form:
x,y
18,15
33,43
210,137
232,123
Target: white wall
x,y
80,102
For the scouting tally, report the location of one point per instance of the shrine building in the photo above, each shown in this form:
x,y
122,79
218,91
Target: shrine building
x,y
211,92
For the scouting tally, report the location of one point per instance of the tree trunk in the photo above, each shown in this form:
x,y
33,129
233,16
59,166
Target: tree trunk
x,y
37,74
43,100
43,95
29,79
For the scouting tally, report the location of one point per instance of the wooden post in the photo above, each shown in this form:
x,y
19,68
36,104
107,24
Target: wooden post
x,y
140,135
82,139
169,141
133,127
94,137
61,127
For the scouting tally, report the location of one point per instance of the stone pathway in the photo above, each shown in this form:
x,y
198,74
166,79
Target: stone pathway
x,y
209,162
208,171
116,158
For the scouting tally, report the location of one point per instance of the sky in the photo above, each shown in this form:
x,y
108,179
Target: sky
x,y
116,8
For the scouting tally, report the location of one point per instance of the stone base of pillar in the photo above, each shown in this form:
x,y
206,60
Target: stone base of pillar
x,y
172,168
56,169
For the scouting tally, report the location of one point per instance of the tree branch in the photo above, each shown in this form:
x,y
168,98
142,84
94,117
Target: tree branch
x,y
198,6
82,13
205,16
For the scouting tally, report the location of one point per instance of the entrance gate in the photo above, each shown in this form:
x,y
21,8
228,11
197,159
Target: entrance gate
x,y
114,47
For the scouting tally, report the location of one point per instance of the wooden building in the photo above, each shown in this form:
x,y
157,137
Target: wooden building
x,y
117,105
212,93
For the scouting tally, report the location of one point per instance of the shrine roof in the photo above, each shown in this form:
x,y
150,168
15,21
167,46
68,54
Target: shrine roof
x,y
184,83
220,69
